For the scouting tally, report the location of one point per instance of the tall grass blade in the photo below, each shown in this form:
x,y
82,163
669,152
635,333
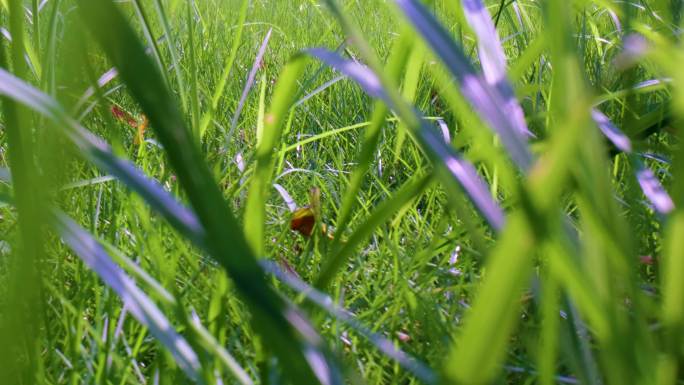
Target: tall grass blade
x,y
173,53
248,84
489,101
194,87
493,61
23,309
283,99
481,345
149,36
649,183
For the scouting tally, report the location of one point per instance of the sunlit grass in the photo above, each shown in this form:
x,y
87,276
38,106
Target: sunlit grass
x,y
500,192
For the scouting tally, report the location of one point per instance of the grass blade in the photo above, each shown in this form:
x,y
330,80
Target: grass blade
x,y
175,59
649,183
20,326
493,61
194,90
248,84
283,99
147,31
489,101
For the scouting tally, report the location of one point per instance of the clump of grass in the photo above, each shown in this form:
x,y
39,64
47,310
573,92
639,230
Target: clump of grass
x,y
497,192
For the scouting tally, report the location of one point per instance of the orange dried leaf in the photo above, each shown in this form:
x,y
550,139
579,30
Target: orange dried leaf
x,y
303,221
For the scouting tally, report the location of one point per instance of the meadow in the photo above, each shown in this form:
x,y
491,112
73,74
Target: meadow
x,y
341,192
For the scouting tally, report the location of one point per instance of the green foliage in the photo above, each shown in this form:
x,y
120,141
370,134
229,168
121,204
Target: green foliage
x,y
150,167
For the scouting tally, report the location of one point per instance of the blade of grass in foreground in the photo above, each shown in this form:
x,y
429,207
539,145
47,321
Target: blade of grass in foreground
x,y
489,101
439,152
323,301
484,337
653,190
301,351
283,99
134,299
493,61
22,311
672,284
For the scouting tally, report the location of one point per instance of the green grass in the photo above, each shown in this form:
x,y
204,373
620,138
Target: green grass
x,y
499,257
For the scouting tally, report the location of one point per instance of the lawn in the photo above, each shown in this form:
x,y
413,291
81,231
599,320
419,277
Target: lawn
x,y
341,191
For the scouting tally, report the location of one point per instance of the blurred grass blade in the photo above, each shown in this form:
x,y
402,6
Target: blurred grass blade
x,y
649,183
493,61
431,140
5,175
490,50
135,300
411,79
672,311
482,342
22,310
354,70
614,134
303,354
489,101
653,190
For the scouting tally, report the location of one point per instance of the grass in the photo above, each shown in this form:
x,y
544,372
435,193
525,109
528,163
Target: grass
x,y
496,192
